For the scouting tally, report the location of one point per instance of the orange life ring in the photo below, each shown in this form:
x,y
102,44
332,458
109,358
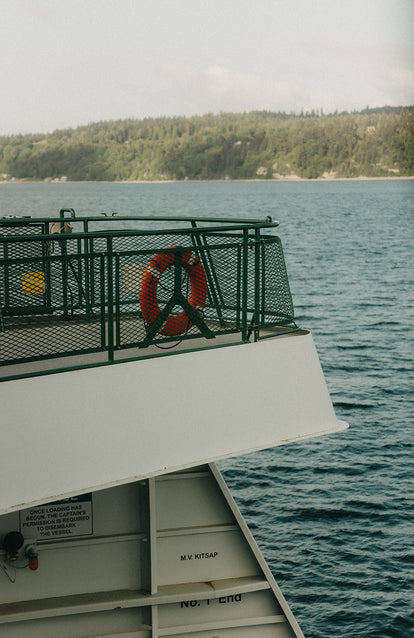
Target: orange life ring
x,y
148,296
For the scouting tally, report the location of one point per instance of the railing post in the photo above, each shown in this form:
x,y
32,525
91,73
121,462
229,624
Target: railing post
x,y
263,283
92,282
245,272
117,302
64,252
87,248
101,260
87,267
238,286
256,317
6,276
110,298
47,267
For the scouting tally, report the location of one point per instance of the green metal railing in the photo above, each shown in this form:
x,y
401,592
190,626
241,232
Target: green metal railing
x,y
78,286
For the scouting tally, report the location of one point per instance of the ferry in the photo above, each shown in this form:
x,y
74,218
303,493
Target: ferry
x,y
135,353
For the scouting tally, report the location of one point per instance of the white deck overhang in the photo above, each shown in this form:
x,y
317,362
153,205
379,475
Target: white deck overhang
x,y
73,432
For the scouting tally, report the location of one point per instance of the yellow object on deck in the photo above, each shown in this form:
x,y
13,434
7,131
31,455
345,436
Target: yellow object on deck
x,y
33,283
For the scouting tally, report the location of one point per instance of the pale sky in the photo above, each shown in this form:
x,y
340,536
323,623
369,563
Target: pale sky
x,y
66,63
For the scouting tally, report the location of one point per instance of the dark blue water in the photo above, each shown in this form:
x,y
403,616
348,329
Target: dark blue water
x,y
333,516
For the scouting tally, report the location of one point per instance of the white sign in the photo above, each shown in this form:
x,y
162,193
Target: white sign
x,y
70,517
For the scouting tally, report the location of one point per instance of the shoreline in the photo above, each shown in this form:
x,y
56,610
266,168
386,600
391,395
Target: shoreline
x,y
288,179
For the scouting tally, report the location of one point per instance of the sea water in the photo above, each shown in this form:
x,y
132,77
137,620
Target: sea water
x,y
333,516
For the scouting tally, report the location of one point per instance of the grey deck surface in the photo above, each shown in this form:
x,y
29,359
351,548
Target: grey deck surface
x,y
45,339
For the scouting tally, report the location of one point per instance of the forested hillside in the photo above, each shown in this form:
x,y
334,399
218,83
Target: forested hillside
x,y
256,145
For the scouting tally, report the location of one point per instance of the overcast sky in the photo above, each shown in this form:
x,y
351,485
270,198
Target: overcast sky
x,y
71,62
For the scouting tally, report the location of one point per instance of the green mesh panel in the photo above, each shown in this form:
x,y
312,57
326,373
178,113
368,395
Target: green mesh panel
x,y
22,280
276,299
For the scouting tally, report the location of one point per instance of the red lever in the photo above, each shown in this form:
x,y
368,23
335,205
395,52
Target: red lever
x,y
33,563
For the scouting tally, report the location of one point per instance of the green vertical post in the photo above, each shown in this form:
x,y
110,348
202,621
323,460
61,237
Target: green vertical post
x,y
263,284
47,267
256,284
238,286
63,248
245,332
110,298
92,274
78,276
117,301
6,276
87,267
102,300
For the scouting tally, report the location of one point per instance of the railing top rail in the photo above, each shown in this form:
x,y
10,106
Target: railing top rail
x,y
231,226
114,217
